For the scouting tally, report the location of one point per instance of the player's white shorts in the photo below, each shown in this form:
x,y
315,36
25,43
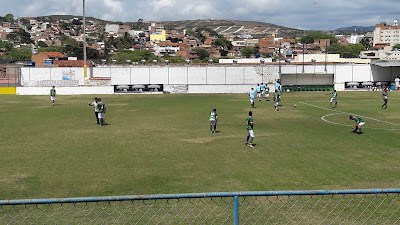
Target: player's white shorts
x,y
267,95
100,115
250,133
213,122
251,100
361,124
333,100
276,103
259,95
52,98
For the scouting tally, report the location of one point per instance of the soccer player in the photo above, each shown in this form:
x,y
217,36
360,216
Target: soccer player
x,y
102,111
262,87
276,100
252,95
385,99
250,131
96,109
258,92
53,95
397,83
333,98
359,123
266,93
213,121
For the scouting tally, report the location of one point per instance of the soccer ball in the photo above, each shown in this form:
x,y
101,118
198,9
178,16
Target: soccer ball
x,y
295,105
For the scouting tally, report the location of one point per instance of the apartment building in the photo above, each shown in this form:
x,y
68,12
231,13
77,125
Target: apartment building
x,y
387,33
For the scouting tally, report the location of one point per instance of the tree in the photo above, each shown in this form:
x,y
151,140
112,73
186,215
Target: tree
x,y
5,46
174,59
9,18
396,47
366,43
223,45
202,53
41,44
135,56
25,37
309,38
346,51
247,52
19,54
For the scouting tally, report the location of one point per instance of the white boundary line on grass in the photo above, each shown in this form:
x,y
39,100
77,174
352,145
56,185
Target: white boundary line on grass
x,y
337,111
347,125
323,118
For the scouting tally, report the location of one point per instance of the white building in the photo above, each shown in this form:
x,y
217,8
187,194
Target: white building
x,y
318,58
163,48
112,28
387,55
387,34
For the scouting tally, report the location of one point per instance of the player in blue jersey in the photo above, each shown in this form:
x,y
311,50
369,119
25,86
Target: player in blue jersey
x,y
258,89
262,87
252,95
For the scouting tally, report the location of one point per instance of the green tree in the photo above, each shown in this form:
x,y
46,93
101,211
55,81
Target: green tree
x,y
248,52
52,49
9,18
41,44
366,43
202,53
24,36
19,54
315,35
174,59
135,56
5,46
223,45
346,51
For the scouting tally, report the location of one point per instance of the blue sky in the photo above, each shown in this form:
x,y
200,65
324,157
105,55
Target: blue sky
x,y
304,14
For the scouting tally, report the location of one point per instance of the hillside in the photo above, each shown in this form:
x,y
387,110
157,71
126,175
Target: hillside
x,y
357,28
222,26
257,29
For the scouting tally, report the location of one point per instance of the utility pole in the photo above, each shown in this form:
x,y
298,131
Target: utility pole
x,y
303,58
326,55
280,67
84,42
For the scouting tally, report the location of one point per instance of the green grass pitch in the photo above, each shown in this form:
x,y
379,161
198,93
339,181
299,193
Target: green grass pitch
x,y
161,144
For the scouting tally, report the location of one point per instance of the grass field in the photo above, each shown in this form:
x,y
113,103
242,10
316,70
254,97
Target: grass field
x,y
161,144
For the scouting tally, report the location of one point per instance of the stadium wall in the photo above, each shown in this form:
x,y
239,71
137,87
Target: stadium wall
x,y
65,90
206,79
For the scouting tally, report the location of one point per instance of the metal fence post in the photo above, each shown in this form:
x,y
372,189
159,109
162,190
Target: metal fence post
x,y
236,210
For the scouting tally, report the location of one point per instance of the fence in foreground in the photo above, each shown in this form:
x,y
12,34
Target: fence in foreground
x,y
380,206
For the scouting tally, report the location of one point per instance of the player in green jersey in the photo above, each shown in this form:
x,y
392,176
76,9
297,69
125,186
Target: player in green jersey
x,y
53,95
276,100
359,124
213,121
333,98
102,110
266,93
250,131
385,99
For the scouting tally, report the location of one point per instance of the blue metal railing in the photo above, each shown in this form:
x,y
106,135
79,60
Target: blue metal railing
x,y
235,213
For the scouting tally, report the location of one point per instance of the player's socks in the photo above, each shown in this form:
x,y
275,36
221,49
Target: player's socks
x,y
247,141
211,128
215,128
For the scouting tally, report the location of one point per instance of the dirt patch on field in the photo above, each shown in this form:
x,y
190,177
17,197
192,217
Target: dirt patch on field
x,y
13,179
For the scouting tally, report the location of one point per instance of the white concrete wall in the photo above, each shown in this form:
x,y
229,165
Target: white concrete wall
x,y
219,89
212,75
66,90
